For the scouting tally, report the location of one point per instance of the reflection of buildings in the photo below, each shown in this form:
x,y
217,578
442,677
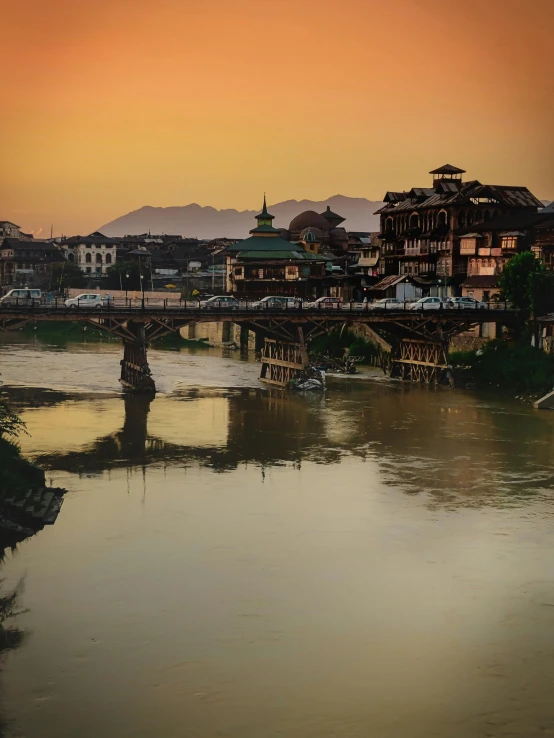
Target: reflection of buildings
x,y
447,445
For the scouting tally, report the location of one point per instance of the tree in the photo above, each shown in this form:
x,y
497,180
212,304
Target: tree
x,y
126,275
10,423
62,275
524,284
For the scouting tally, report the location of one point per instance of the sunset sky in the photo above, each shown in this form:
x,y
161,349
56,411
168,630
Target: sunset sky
x,y
114,104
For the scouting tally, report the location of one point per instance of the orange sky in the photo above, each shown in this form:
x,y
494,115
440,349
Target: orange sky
x,y
114,104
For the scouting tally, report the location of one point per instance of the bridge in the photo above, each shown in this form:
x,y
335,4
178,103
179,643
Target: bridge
x,y
419,340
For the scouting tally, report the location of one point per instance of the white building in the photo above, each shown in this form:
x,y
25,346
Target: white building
x,y
93,254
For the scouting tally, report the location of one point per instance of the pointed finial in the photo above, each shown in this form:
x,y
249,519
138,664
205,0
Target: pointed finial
x,y
265,206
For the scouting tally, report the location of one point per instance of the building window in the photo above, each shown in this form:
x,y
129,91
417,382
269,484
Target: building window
x,y
509,242
71,257
88,270
99,270
88,259
108,258
98,258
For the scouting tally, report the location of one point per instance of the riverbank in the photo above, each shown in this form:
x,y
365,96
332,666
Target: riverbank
x,y
26,504
513,368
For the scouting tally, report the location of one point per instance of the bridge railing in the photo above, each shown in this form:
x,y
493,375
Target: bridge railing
x,y
140,304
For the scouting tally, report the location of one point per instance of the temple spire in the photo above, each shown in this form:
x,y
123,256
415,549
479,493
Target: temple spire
x,y
265,222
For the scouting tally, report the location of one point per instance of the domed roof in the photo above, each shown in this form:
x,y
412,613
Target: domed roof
x,y
311,234
308,219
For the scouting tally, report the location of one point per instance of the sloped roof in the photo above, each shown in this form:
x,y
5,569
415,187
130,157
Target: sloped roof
x,y
447,169
260,243
387,282
511,196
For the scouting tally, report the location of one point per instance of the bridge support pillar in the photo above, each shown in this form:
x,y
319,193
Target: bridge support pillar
x,y
283,361
135,372
417,360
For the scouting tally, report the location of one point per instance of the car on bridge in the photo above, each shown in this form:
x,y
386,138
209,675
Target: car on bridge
x,y
431,303
88,300
461,303
387,303
217,302
21,297
276,301
323,303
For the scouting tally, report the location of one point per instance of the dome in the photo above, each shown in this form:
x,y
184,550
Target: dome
x,y
308,219
311,234
339,234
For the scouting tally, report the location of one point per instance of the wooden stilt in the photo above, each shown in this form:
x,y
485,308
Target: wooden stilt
x,y
282,361
422,361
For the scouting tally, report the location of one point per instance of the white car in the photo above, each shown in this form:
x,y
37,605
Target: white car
x,y
276,302
430,303
220,302
463,303
387,303
22,296
88,300
324,303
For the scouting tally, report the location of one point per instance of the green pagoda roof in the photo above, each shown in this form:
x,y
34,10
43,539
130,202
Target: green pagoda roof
x,y
265,229
261,243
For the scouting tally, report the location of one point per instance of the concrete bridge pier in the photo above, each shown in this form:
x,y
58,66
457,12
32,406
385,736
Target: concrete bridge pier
x,y
135,372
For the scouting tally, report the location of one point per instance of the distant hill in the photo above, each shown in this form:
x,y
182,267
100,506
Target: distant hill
x,y
207,222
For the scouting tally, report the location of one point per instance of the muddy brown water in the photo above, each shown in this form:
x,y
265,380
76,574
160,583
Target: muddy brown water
x,y
230,561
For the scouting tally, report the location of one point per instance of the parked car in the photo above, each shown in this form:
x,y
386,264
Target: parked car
x,y
430,303
387,303
324,303
88,300
22,296
220,302
275,301
463,303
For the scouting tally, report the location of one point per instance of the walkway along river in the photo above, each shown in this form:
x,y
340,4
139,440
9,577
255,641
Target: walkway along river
x,y
233,561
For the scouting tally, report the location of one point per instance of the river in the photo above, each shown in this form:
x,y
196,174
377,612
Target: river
x,y
235,562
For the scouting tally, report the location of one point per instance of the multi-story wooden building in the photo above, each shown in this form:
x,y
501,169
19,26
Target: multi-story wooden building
x,y
421,229
25,261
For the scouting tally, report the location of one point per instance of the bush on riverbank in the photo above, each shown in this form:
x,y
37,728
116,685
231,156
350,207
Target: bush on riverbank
x,y
16,473
341,342
517,368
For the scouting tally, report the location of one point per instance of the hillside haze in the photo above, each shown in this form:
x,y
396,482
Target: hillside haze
x,y
207,222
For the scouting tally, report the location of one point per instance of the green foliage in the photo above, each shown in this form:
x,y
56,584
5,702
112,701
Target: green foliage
x,y
117,276
524,284
64,275
10,423
343,341
518,367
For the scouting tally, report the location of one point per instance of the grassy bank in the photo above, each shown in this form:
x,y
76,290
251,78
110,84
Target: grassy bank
x,y
512,367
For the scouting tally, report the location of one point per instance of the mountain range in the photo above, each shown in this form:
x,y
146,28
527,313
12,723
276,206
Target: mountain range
x,y
207,222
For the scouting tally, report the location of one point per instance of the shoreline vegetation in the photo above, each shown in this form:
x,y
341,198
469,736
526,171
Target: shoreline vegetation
x,y
511,367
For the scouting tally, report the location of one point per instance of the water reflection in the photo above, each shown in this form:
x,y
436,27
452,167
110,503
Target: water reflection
x,y
455,448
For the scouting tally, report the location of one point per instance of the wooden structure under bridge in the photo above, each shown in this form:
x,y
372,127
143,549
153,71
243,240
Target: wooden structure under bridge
x,y
419,340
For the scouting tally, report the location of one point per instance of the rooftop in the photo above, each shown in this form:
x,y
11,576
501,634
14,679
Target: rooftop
x,y
447,169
